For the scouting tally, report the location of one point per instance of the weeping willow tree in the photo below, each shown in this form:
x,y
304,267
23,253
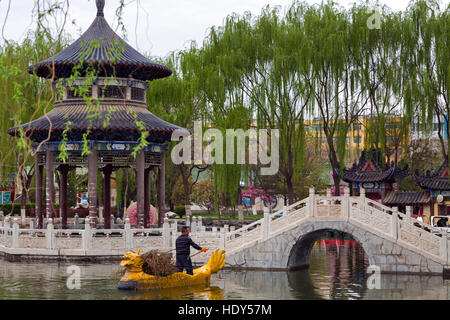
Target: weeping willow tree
x,y
335,81
426,38
229,171
23,98
261,62
382,74
177,99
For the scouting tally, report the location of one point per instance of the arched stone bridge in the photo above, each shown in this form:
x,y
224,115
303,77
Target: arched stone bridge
x,y
393,241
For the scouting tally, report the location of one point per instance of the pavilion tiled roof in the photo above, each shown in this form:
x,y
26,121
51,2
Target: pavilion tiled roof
x,y
101,47
398,198
371,168
109,121
439,180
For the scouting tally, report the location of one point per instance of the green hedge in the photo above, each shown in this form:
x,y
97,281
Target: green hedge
x,y
14,208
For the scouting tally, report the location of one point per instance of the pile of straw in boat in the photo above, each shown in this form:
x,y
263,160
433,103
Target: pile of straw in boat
x,y
158,263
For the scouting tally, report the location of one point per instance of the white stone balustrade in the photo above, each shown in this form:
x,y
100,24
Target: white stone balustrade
x,y
361,212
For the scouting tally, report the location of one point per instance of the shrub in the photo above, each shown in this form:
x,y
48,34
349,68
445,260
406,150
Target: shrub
x,y
180,211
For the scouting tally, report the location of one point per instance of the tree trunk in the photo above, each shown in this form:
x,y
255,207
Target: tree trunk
x,y
335,166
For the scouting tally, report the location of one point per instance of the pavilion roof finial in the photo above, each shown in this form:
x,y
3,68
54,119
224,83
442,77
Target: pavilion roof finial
x,y
100,7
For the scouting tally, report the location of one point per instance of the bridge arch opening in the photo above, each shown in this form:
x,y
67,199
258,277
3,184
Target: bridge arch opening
x,y
326,239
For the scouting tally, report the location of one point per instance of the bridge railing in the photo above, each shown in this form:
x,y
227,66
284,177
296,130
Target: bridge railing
x,y
371,215
290,215
399,227
14,237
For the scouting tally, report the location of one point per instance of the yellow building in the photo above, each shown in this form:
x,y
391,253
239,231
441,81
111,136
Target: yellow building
x,y
358,138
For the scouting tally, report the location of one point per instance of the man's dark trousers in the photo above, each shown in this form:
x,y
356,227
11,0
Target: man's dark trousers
x,y
184,262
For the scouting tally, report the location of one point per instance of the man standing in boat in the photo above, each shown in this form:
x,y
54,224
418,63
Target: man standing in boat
x,y
183,249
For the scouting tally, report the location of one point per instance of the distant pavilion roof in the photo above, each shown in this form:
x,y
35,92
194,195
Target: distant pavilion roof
x,y
101,47
399,198
371,169
439,180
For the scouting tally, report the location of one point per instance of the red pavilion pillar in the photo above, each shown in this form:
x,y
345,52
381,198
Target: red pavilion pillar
x,y
50,187
161,192
140,186
147,198
38,182
64,170
107,171
92,187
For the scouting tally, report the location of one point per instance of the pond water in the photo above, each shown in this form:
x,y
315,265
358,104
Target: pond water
x,y
337,271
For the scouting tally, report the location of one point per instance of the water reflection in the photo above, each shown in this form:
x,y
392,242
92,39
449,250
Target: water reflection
x,y
337,271
201,292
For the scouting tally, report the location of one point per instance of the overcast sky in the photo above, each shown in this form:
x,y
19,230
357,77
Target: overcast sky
x,y
156,27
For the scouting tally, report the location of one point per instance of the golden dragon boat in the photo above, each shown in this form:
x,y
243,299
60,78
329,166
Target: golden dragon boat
x,y
135,278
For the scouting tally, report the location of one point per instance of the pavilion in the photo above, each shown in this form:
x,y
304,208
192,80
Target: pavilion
x,y
373,174
437,184
111,127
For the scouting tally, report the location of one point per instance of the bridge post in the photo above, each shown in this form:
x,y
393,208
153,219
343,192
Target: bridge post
x,y
345,205
15,233
312,202
49,235
362,195
444,248
128,235
166,234
223,237
409,211
394,223
266,225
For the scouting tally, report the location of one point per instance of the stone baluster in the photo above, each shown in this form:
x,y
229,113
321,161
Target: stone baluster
x,y
87,234
128,235
175,227
223,238
266,225
15,233
6,227
312,202
232,229
23,213
194,225
167,240
49,234
240,213
362,196
345,205
444,247
394,223
409,211
7,222
200,224
76,221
